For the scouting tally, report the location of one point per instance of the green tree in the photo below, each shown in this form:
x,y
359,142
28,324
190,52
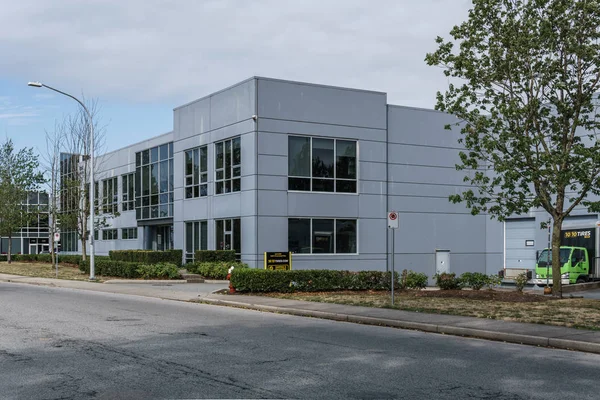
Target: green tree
x,y
524,77
19,175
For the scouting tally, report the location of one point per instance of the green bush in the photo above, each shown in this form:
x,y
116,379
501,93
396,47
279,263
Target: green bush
x,y
260,280
3,257
521,281
474,280
493,281
160,270
447,281
45,258
106,267
213,270
416,280
24,257
69,258
202,256
147,256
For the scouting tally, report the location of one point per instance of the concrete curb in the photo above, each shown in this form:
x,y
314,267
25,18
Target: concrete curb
x,y
565,344
150,281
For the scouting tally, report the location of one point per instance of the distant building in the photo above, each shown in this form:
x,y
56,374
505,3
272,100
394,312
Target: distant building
x,y
32,238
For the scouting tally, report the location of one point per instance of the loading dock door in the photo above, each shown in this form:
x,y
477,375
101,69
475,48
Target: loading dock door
x,y
519,239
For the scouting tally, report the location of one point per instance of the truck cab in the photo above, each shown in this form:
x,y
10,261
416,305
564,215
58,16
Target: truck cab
x,y
575,266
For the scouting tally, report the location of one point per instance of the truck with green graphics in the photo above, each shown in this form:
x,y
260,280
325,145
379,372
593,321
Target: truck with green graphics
x,y
578,258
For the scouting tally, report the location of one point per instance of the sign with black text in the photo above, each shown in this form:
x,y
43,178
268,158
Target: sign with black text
x,y
278,260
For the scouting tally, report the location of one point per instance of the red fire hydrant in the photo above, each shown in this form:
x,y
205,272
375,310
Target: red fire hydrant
x,y
231,288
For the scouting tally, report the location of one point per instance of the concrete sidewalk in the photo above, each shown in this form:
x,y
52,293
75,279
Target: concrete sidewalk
x,y
514,332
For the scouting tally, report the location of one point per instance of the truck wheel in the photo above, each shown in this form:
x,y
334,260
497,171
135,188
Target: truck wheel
x,y
581,280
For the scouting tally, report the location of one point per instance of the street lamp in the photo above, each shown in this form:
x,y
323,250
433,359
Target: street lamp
x,y
91,190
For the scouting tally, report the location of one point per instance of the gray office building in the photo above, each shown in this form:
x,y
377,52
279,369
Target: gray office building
x,y
271,165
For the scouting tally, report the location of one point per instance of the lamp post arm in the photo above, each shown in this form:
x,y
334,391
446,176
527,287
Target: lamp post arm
x,y
91,191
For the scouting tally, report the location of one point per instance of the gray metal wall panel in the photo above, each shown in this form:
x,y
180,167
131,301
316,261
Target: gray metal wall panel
x,y
235,104
320,104
424,155
307,204
317,129
423,233
273,165
432,175
425,127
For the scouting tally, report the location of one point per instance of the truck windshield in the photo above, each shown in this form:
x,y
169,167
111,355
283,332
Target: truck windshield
x,y
546,256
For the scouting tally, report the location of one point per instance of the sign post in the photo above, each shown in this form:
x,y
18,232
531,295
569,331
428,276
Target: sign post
x,y
55,244
393,224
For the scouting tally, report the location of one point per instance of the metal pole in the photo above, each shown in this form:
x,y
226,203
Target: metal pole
x,y
393,256
91,195
56,254
548,254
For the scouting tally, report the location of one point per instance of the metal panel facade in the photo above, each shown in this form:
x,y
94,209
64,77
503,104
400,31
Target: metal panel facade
x,y
405,162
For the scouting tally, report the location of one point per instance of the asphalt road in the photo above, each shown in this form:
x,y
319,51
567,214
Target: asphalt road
x,y
58,343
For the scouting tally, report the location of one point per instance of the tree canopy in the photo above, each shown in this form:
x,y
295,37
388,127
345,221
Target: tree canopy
x,y
524,79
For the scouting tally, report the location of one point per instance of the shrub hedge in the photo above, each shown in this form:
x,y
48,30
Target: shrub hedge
x,y
147,256
213,270
474,280
160,270
260,280
202,256
106,267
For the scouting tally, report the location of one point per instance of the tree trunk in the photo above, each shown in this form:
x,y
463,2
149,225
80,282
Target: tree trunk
x,y
9,258
556,265
51,241
83,252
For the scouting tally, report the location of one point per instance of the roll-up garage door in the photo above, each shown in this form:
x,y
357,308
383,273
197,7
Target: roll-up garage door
x,y
519,245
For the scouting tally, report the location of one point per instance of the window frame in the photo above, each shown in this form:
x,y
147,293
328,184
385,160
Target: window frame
x,y
110,201
106,236
335,253
199,223
128,192
128,236
227,171
197,182
335,179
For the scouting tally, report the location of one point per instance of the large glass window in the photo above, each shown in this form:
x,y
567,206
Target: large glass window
x,y
110,234
196,172
321,165
154,182
129,233
319,235
110,196
228,166
128,191
228,234
196,238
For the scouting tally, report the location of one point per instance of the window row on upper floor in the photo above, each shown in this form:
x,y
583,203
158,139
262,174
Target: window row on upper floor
x,y
314,164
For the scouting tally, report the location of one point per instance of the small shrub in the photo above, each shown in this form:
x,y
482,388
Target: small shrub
x,y
493,281
403,278
447,281
213,270
70,259
416,280
474,280
160,270
521,281
202,256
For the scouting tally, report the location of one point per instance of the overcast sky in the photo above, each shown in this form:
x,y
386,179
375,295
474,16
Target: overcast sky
x,y
141,59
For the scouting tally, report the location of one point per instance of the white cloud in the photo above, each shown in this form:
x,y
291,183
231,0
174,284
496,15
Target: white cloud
x,y
180,50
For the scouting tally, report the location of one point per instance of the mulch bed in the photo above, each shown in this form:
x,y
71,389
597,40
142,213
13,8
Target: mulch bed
x,y
511,296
